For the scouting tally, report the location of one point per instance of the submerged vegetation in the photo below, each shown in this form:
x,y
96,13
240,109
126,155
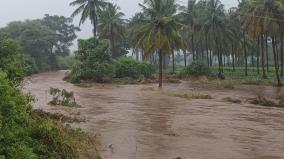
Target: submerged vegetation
x,y
269,102
191,95
62,98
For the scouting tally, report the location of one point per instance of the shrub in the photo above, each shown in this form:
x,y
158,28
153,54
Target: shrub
x,y
62,97
232,100
14,122
128,67
12,61
65,63
261,100
191,95
27,134
52,140
95,63
196,68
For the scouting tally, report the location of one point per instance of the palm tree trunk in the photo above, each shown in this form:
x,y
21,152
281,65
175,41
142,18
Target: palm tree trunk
x,y
233,56
185,58
160,68
142,54
207,51
282,55
220,61
245,51
262,57
193,47
173,56
258,53
137,55
267,55
95,21
112,42
275,55
211,62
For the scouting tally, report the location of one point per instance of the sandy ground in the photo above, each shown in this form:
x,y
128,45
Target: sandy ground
x,y
133,123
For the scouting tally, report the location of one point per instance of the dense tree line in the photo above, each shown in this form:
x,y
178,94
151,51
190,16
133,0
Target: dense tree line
x,y
250,35
42,40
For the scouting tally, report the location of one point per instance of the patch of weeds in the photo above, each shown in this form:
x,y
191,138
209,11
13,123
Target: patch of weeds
x,y
257,81
261,100
57,117
280,98
191,95
149,89
229,84
84,84
226,84
54,140
62,98
231,100
173,80
125,81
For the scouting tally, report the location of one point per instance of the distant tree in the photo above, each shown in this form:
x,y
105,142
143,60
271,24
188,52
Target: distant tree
x,y
65,30
43,39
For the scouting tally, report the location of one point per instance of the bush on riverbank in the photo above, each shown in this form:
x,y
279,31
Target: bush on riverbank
x,y
27,134
94,62
128,67
24,133
96,65
196,69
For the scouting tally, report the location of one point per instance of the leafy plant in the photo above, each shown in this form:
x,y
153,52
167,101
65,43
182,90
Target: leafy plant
x,y
95,63
62,98
196,68
128,67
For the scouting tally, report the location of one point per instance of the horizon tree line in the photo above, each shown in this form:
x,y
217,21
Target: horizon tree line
x,y
248,35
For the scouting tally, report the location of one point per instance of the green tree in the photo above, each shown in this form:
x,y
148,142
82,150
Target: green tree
x,y
12,62
159,32
88,9
65,31
43,39
111,26
95,63
262,19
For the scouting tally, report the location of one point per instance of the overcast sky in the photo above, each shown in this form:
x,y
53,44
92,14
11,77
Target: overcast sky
x,y
12,10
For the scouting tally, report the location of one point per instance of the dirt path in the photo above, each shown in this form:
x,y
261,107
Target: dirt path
x,y
131,123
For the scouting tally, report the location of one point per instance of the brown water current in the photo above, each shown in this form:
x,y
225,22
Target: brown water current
x,y
133,123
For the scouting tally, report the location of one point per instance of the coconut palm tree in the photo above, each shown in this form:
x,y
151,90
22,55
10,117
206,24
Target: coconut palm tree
x,y
160,32
112,26
137,20
264,20
88,9
216,28
189,18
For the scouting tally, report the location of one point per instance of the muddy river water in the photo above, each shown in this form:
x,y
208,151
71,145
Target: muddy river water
x,y
132,123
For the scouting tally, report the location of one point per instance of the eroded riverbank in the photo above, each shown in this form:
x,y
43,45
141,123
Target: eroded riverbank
x,y
131,123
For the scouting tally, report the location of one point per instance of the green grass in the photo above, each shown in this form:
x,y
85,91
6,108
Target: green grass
x,y
237,76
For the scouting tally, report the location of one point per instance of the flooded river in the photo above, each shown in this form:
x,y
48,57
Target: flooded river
x,y
132,123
